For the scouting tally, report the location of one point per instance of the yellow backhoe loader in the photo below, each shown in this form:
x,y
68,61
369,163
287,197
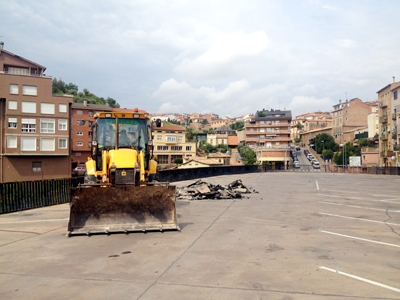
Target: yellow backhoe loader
x,y
116,195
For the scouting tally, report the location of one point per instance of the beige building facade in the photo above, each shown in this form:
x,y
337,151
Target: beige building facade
x,y
170,143
349,116
385,113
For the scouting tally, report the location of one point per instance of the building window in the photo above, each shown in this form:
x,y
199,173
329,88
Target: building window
x,y
90,123
171,138
12,104
159,148
47,108
28,144
14,89
62,108
78,122
165,148
28,107
62,143
47,126
90,144
29,90
159,137
188,148
276,122
79,144
79,112
261,122
28,125
47,144
78,154
90,133
277,143
176,148
180,138
11,142
262,130
62,124
12,123
162,159
79,133
90,114
36,166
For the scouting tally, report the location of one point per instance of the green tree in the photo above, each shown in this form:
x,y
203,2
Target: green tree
x,y
248,154
261,113
299,125
178,160
239,126
204,122
189,134
328,144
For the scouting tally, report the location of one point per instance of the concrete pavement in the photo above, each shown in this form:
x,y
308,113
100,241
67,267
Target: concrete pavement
x,y
304,236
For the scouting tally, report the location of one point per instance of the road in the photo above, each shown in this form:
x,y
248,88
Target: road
x,y
303,236
305,165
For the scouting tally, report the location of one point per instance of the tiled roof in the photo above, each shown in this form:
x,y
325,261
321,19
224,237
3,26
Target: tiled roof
x,y
169,128
218,155
224,128
204,161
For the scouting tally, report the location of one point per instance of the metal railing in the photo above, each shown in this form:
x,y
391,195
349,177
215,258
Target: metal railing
x,y
17,196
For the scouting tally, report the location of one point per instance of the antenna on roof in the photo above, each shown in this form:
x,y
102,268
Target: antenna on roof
x,y
1,43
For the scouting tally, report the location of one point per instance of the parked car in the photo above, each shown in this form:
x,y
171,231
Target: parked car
x,y
298,149
310,157
316,165
80,170
296,164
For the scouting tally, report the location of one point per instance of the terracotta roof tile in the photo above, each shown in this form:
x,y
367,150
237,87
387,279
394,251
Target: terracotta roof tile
x,y
169,128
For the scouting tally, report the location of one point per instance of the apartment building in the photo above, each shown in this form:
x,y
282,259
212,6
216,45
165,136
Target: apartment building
x,y
309,122
220,136
82,134
269,134
386,115
35,124
170,144
349,116
396,124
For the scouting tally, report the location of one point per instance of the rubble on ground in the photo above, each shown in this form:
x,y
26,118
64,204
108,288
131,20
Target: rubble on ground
x,y
201,190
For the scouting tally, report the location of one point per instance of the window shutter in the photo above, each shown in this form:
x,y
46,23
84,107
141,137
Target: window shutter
x,y
47,144
29,107
29,90
47,108
28,144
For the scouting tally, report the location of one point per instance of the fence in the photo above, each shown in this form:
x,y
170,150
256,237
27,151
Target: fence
x,y
16,196
366,170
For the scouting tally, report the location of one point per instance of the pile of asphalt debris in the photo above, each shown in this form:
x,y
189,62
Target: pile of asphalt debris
x,y
201,190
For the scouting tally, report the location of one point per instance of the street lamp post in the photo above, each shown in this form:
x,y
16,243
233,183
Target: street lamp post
x,y
323,149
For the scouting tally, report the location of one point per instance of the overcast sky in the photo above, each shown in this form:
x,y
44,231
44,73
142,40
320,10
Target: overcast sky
x,y
227,57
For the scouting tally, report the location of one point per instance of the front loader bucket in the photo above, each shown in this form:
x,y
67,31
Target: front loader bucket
x,y
122,209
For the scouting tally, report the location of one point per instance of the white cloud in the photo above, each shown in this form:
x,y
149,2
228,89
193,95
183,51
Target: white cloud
x,y
346,43
329,7
303,104
227,50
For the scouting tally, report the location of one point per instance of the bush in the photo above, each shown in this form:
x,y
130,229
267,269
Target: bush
x,y
297,140
178,161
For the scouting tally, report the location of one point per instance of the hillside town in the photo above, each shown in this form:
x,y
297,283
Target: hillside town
x,y
43,136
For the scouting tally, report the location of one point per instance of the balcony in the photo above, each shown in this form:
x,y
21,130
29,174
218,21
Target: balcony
x,y
393,116
383,119
396,148
383,137
382,105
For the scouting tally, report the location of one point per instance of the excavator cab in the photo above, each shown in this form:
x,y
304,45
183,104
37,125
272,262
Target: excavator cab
x,y
116,195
